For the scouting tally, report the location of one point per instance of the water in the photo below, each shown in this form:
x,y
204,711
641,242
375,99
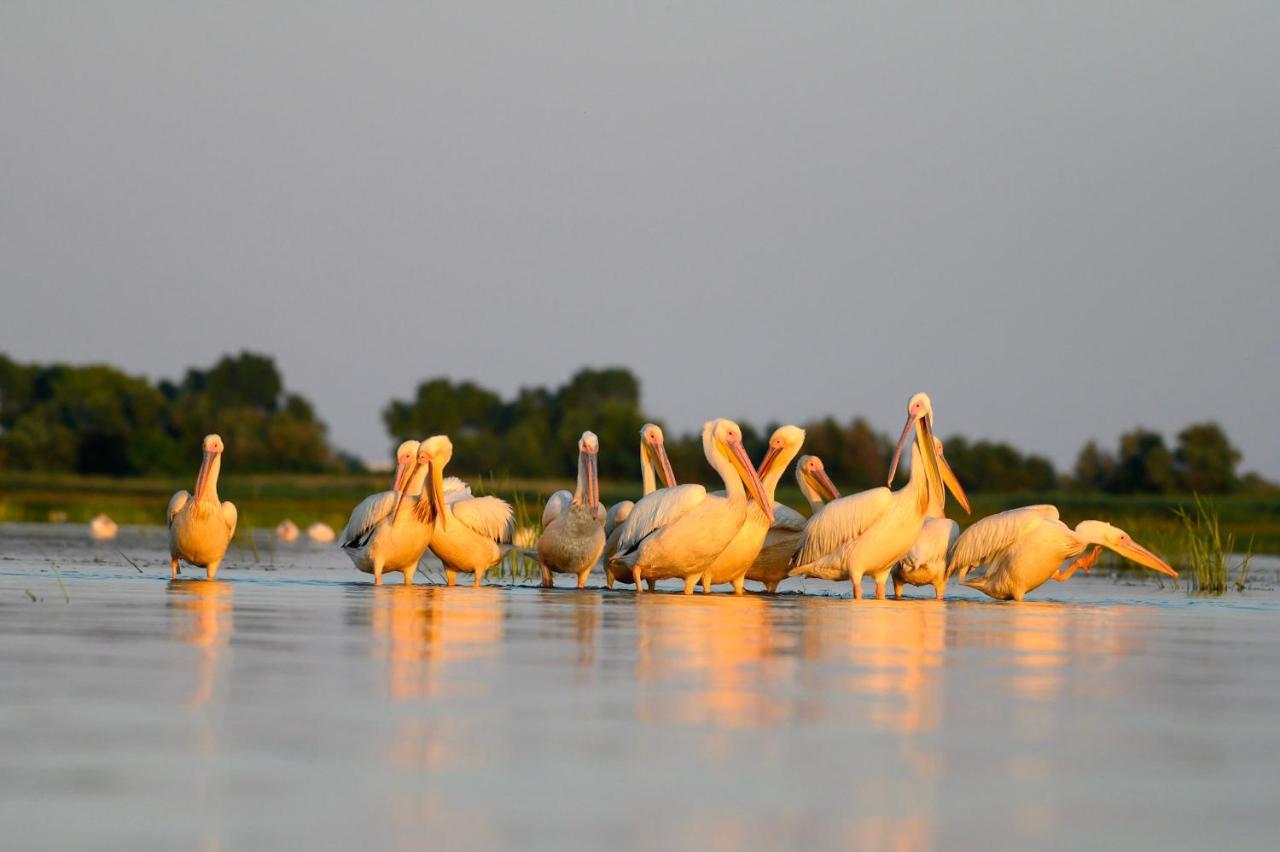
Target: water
x,y
292,704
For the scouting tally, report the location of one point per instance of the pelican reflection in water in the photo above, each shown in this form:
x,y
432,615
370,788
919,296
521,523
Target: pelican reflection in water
x,y
201,615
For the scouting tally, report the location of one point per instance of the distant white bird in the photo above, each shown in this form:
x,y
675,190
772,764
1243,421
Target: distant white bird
x,y
201,527
733,563
287,530
926,562
867,533
574,539
320,531
653,463
102,528
677,532
1024,548
470,533
774,562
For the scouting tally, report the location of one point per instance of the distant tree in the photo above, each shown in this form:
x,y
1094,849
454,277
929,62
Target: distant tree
x,y
997,467
1095,469
1205,460
1144,464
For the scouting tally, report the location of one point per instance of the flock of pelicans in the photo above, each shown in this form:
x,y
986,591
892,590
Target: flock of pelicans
x,y
686,533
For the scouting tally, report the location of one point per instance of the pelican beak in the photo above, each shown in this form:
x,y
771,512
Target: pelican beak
x,y
925,442
824,485
741,463
403,471
402,489
437,494
1136,552
658,455
767,462
902,442
202,478
593,483
953,484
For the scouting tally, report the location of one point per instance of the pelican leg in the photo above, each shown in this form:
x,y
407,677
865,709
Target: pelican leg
x,y
639,589
938,587
689,583
771,587
479,577
898,586
408,574
706,584
1084,563
608,579
652,584
738,584
450,576
856,579
547,580
880,584
173,567
377,573
582,579
211,570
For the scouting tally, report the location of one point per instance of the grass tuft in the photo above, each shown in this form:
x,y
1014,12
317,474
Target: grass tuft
x,y
1207,550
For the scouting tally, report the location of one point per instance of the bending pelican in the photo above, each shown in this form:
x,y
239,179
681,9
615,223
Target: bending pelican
x,y
200,528
1023,548
677,532
733,563
103,528
774,561
867,533
574,539
471,531
653,463
378,536
926,562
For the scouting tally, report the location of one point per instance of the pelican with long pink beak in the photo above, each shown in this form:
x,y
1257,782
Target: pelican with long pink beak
x,y
574,539
201,527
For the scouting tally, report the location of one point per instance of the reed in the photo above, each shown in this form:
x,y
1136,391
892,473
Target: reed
x,y
1208,550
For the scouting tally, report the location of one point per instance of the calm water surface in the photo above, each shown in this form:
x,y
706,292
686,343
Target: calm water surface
x,y
293,703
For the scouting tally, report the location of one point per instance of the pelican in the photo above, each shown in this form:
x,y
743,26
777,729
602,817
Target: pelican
x,y
287,530
653,463
379,537
471,531
574,539
678,532
320,531
102,528
733,563
1023,548
926,562
866,533
200,527
774,561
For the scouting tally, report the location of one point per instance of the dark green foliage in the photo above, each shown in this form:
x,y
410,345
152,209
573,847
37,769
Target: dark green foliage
x,y
991,466
95,419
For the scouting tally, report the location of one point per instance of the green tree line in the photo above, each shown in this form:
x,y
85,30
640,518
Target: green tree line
x,y
96,419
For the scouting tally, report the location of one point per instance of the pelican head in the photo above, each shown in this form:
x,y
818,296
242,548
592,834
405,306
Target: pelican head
x,y
588,490
784,438
211,447
726,441
920,418
406,456
815,473
438,450
653,444
949,477
1114,538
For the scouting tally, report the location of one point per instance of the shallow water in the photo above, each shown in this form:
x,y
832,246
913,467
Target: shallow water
x,y
293,703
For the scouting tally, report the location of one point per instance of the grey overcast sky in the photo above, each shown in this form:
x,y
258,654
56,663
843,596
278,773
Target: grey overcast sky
x,y
1060,219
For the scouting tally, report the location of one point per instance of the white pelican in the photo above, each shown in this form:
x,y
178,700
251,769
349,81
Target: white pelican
x,y
926,562
866,533
379,537
470,532
102,528
774,561
574,539
287,530
1023,548
653,463
733,563
200,527
677,532
320,531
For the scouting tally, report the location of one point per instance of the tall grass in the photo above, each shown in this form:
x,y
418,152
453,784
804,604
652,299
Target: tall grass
x,y
1208,550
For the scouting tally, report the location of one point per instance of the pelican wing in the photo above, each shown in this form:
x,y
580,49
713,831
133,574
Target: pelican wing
x,y
839,522
556,504
454,490
367,514
230,515
995,534
176,502
656,510
491,517
934,542
787,518
618,513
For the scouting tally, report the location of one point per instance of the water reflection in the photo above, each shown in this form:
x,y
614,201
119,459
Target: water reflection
x,y
202,614
721,650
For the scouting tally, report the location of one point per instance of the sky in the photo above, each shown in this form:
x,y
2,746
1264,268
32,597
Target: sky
x,y
1062,221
